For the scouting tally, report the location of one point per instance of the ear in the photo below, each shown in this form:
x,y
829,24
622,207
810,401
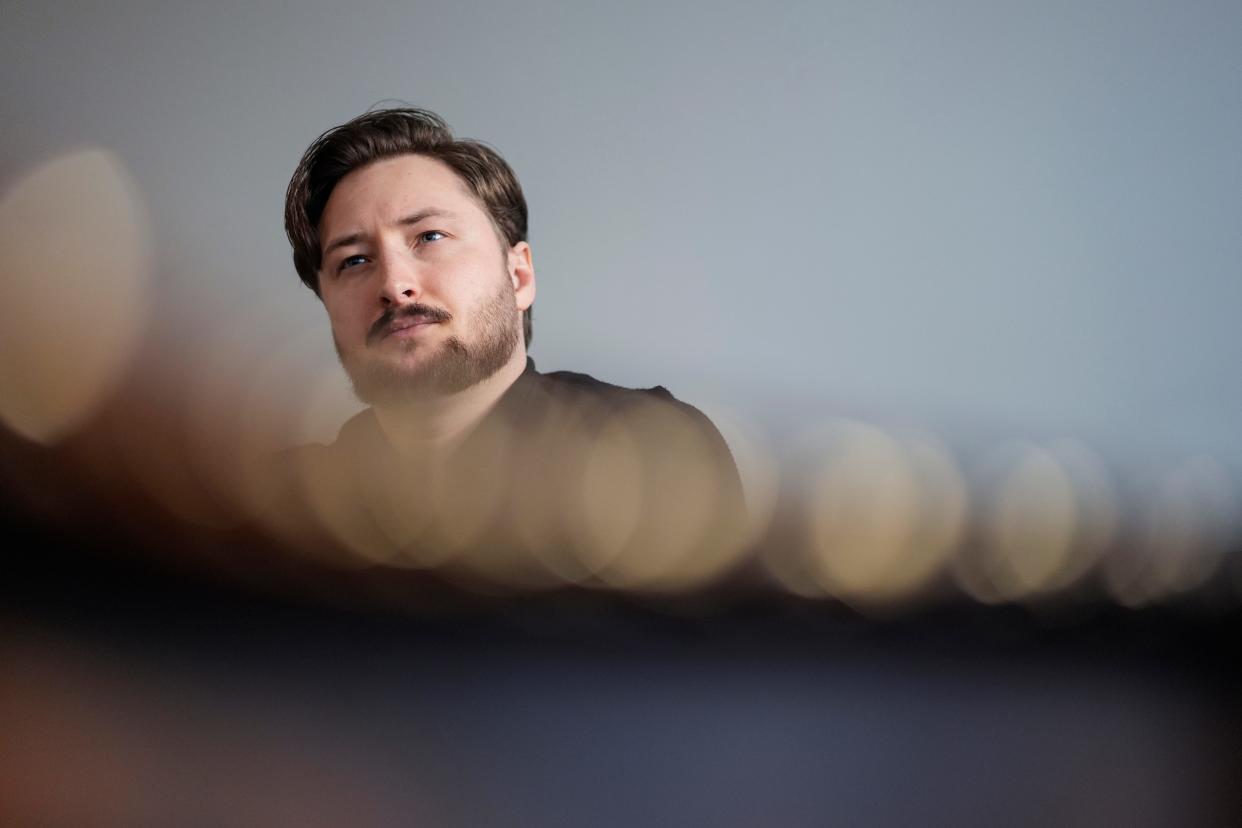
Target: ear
x,y
522,275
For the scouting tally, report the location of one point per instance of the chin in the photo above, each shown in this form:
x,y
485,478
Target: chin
x,y
381,382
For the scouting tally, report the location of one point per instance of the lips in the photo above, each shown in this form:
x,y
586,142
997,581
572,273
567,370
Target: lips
x,y
408,324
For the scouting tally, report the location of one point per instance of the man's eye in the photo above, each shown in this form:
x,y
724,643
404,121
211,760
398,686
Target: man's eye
x,y
430,236
351,261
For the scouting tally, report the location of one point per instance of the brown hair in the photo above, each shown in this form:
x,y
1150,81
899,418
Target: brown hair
x,y
385,133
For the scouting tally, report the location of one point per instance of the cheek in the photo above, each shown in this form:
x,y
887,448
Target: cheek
x,y
343,317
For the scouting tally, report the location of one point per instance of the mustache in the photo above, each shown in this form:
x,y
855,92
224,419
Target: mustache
x,y
392,314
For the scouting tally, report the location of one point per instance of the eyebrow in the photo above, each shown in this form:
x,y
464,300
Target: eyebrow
x,y
405,221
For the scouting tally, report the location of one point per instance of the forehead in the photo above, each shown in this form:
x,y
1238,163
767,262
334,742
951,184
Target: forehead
x,y
384,191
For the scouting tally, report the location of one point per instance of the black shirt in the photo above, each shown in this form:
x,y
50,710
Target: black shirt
x,y
566,480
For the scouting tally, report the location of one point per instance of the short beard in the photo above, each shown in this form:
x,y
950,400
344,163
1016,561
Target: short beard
x,y
454,368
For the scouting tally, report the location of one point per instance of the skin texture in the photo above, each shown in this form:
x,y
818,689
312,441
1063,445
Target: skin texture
x,y
424,298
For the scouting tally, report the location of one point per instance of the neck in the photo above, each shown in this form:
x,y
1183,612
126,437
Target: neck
x,y
436,424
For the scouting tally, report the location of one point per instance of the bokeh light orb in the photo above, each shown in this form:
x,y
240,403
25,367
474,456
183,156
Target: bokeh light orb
x,y
76,262
881,510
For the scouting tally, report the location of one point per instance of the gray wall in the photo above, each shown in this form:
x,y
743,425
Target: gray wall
x,y
1013,217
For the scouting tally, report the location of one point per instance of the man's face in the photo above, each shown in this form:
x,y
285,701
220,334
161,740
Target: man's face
x,y
423,296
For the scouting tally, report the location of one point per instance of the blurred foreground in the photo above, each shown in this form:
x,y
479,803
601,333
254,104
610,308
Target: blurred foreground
x,y
145,694
165,670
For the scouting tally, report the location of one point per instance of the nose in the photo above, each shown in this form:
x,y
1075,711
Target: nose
x,y
399,280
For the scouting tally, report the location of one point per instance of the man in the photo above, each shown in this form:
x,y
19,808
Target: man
x,y
468,458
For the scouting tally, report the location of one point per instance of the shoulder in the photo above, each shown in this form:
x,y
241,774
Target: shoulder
x,y
653,417
591,396
648,483
620,398
573,381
